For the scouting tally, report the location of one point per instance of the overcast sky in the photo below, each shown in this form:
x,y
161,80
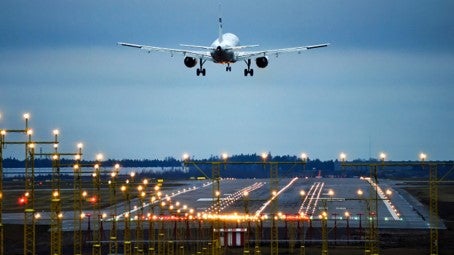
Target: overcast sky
x,y
386,82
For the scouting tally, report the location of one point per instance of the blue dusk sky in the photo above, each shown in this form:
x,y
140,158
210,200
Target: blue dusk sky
x,y
386,82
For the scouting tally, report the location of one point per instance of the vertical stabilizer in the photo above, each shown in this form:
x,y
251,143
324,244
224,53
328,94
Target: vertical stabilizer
x,y
220,24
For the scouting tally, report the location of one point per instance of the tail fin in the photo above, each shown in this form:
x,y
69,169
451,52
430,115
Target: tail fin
x,y
220,24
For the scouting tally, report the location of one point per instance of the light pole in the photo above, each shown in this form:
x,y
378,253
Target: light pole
x,y
248,224
347,218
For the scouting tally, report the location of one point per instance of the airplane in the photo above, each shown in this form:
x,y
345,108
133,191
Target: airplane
x,y
224,50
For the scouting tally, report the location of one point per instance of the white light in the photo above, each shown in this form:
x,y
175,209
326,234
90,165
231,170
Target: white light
x,y
264,155
382,156
343,156
304,156
56,132
422,156
99,157
26,116
185,156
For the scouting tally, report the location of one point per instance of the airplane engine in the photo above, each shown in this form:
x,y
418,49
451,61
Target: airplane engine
x,y
261,62
190,62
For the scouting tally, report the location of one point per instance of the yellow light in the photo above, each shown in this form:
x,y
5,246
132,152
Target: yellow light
x,y
113,174
139,188
96,166
30,132
55,145
245,193
145,182
55,157
37,216
123,188
347,214
330,193
225,156
132,174
31,146
56,132
304,156
302,193
389,192
359,192
185,156
3,132
84,194
55,194
82,215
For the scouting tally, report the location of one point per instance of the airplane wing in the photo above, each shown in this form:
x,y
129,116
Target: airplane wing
x,y
196,54
248,54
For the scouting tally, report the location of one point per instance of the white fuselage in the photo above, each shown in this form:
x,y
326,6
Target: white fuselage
x,y
223,48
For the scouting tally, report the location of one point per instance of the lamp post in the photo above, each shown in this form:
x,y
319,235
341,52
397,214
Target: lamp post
x,y
248,224
347,218
302,216
113,242
96,200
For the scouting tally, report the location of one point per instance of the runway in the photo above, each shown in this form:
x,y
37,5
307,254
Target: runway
x,y
244,199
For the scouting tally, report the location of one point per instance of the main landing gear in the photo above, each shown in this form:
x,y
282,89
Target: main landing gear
x,y
228,68
201,70
249,70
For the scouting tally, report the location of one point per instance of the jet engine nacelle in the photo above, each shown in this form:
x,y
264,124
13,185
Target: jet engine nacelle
x,y
261,62
190,62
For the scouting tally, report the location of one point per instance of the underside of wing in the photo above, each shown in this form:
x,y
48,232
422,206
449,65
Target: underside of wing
x,y
276,52
196,54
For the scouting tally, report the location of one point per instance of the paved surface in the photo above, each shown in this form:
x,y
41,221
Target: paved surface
x,y
396,210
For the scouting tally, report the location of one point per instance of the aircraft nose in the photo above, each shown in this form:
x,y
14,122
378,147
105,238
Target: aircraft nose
x,y
219,48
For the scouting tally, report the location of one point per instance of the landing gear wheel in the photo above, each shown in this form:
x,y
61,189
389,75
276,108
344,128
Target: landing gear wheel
x,y
201,71
249,71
